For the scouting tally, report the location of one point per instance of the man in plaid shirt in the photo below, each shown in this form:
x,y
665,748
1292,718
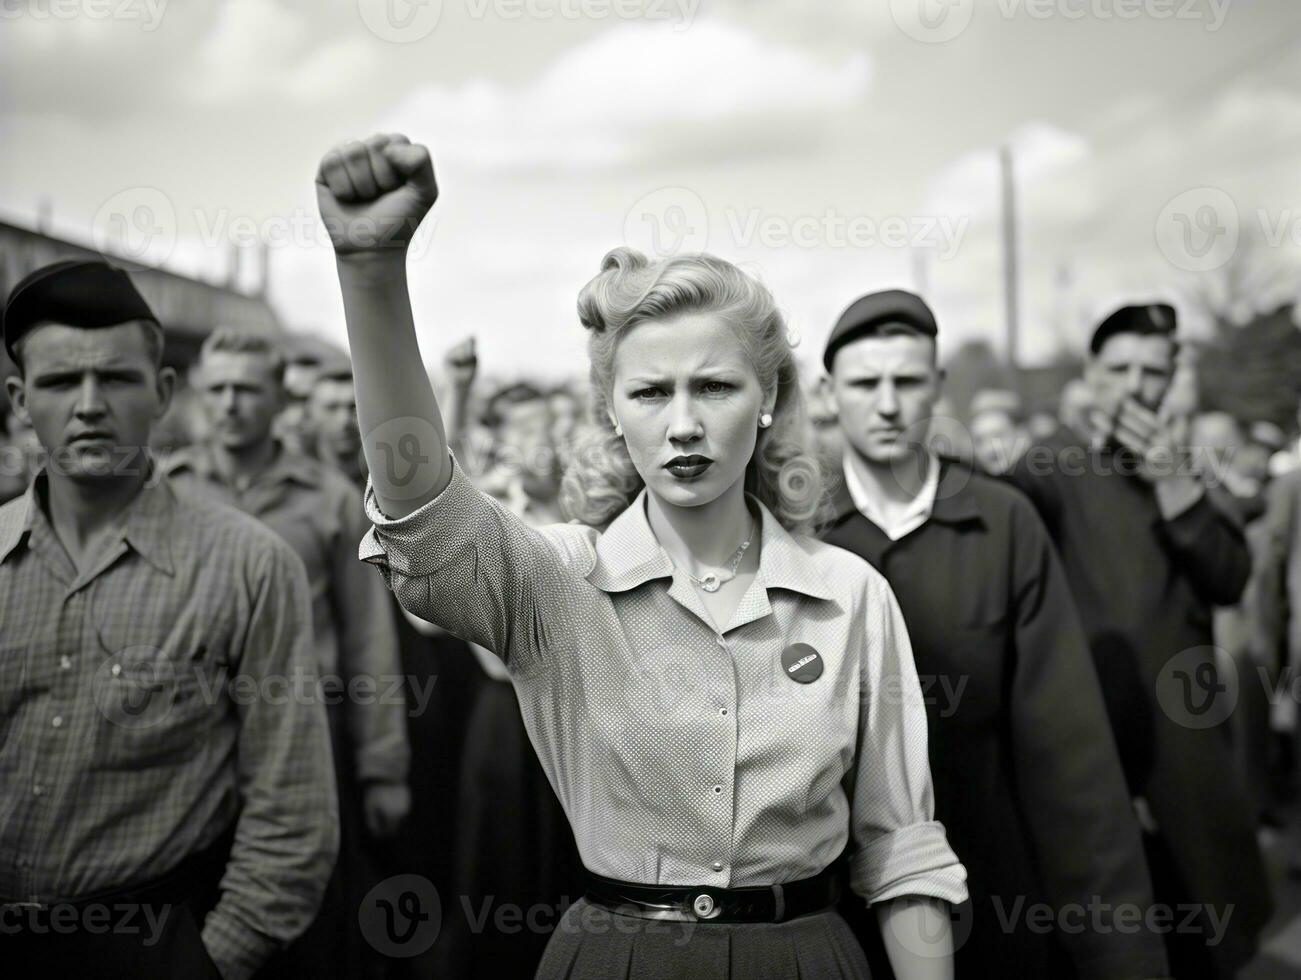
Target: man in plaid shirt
x,y
167,801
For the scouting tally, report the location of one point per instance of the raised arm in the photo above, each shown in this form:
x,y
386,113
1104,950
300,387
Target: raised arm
x,y
373,196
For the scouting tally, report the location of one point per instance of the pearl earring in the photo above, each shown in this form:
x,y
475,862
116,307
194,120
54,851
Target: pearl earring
x,y
765,420
618,429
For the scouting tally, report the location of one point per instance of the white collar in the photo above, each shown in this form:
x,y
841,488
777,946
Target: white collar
x,y
914,516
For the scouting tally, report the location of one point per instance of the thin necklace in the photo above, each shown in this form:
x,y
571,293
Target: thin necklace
x,y
713,581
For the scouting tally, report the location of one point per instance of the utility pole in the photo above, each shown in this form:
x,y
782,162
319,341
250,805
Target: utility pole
x,y
1010,272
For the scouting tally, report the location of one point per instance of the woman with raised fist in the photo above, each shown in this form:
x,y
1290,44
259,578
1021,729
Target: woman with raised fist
x,y
723,704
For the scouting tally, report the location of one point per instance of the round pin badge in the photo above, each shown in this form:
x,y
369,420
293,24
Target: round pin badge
x,y
802,663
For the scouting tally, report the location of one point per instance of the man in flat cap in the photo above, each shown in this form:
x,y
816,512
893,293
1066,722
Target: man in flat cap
x,y
1028,782
240,380
1148,554
166,795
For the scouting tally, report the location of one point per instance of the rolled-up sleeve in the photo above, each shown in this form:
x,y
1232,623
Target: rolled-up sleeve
x,y
899,848
287,834
468,564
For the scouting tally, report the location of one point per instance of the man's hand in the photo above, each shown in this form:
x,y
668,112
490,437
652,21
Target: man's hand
x,y
386,806
374,194
462,364
1155,439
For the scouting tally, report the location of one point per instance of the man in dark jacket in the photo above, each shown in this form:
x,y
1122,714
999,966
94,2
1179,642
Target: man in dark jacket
x,y
1148,554
1027,779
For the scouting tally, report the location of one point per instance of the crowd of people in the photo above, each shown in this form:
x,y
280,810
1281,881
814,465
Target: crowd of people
x,y
715,669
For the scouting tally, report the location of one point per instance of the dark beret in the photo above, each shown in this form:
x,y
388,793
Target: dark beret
x,y
869,313
86,293
1156,319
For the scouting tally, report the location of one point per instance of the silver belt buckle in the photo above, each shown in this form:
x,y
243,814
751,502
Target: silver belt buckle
x,y
704,906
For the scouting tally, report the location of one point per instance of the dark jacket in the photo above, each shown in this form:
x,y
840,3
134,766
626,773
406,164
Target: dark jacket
x,y
1145,587
1027,780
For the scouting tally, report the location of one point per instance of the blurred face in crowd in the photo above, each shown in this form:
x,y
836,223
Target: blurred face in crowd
x,y
525,444
886,387
1076,403
997,441
90,393
332,414
241,397
564,414
1130,365
688,398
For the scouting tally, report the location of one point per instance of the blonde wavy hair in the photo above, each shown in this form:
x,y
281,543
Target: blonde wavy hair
x,y
601,480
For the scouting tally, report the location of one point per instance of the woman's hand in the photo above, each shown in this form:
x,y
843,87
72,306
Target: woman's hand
x,y
374,194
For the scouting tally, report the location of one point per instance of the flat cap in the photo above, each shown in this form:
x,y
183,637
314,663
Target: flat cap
x,y
1156,319
869,313
86,293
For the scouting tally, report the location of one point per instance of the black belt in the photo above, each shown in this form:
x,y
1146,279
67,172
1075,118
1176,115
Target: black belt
x,y
704,903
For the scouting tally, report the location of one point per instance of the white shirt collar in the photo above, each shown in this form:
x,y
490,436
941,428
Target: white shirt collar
x,y
910,519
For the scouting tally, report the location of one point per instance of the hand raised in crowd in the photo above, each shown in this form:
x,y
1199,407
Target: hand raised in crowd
x,y
386,806
1156,438
373,194
462,364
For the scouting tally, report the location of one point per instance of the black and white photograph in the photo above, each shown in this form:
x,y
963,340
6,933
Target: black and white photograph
x,y
650,490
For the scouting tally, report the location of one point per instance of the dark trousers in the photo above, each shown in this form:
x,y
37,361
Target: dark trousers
x,y
149,930
141,940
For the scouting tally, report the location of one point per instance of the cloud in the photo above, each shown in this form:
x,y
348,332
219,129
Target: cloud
x,y
636,93
249,38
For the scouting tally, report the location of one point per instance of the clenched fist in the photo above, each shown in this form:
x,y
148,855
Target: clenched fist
x,y
373,194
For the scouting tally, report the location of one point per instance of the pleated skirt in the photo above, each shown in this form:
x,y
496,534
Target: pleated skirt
x,y
593,943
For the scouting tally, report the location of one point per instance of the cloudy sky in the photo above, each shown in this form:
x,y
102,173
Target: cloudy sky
x,y
1156,147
